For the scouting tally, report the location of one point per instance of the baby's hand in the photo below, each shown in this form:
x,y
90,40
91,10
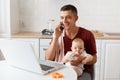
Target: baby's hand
x,y
77,61
74,56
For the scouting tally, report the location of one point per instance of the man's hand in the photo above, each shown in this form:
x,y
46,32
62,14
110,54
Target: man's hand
x,y
77,61
57,31
87,59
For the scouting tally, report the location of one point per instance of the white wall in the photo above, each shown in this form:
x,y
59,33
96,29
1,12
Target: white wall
x,y
9,17
102,15
14,16
4,17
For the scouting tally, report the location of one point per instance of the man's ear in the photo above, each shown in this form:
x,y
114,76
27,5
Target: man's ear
x,y
76,18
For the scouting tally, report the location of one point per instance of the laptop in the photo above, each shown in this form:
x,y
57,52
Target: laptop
x,y
21,55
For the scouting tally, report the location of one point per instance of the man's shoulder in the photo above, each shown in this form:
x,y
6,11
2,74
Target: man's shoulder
x,y
84,30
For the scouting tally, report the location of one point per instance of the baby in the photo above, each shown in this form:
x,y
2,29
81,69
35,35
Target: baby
x,y
77,49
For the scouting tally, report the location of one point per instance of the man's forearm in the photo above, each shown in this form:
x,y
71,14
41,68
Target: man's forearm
x,y
80,59
93,60
50,52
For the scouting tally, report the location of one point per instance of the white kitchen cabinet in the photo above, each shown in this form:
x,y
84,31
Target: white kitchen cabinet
x,y
98,63
44,43
34,42
110,60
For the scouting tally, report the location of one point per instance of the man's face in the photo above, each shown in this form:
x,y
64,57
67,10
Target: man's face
x,y
68,19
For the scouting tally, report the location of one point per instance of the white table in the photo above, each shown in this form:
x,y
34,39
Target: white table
x,y
10,73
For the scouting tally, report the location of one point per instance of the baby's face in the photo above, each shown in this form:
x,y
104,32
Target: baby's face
x,y
77,48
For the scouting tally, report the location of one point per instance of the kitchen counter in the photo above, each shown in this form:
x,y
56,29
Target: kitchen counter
x,y
39,35
30,35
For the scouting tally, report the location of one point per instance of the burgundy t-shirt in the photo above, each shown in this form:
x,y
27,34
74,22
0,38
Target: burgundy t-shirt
x,y
89,42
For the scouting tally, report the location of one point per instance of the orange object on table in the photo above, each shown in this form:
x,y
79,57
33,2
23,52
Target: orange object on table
x,y
57,75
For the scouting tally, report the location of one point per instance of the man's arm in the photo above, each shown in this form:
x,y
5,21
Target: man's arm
x,y
94,59
80,59
50,52
77,61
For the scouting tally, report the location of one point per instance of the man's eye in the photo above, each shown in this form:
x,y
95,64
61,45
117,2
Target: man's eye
x,y
61,17
68,17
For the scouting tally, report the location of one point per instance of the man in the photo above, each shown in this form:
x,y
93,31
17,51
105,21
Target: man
x,y
62,41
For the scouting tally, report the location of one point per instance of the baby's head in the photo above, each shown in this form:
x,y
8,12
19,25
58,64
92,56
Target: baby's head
x,y
78,46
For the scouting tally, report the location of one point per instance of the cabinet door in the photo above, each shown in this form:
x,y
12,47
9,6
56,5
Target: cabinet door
x,y
44,43
34,42
42,52
97,64
111,59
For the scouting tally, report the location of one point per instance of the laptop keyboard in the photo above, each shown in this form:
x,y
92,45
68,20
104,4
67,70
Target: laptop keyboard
x,y
45,67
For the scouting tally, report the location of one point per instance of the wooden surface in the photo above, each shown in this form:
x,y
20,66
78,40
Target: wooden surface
x,y
39,35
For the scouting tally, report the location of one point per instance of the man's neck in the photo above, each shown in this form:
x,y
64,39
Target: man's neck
x,y
72,32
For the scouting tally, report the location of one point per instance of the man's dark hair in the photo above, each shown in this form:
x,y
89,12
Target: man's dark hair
x,y
69,7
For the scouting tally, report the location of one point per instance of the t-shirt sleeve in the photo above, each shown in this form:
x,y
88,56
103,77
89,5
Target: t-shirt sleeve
x,y
91,45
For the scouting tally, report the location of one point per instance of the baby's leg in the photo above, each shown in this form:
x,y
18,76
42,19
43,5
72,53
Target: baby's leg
x,y
79,71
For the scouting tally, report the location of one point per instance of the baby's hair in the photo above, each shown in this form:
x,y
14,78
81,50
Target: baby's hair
x,y
78,40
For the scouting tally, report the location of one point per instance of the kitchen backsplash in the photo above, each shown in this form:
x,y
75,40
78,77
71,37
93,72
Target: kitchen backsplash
x,y
102,15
